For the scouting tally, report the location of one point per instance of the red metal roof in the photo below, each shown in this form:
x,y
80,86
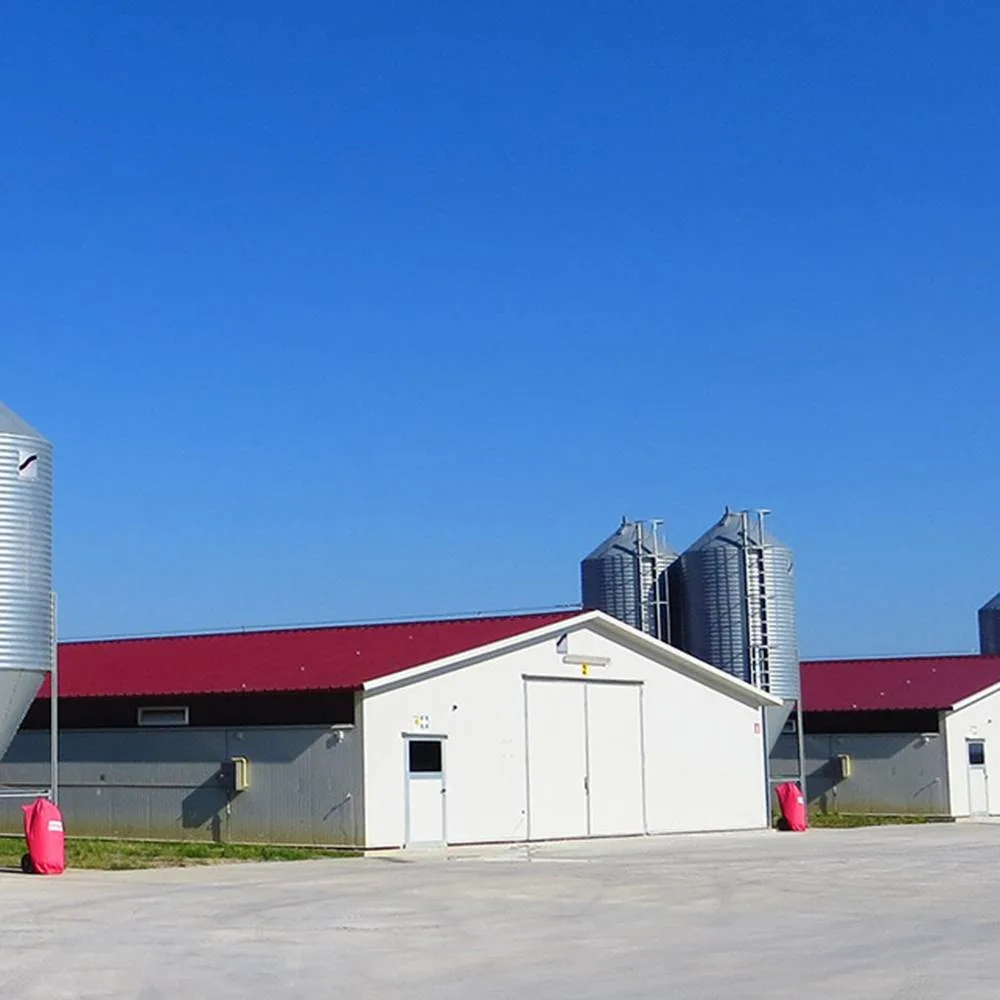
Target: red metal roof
x,y
306,659
922,682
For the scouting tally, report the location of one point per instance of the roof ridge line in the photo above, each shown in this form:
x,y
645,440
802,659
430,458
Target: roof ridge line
x,y
907,657
380,623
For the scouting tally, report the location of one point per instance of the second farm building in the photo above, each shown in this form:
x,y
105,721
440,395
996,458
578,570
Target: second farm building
x,y
465,731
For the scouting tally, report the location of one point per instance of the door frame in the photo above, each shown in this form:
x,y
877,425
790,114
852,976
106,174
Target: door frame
x,y
620,682
408,777
984,767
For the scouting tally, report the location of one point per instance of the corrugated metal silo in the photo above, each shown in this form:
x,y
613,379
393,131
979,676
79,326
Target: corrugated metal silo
x,y
989,627
626,577
733,597
25,569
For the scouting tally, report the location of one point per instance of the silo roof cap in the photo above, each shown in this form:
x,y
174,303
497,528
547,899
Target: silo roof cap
x,y
11,423
625,540
728,530
992,604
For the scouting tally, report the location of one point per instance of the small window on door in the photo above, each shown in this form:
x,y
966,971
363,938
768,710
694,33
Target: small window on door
x,y
425,756
977,753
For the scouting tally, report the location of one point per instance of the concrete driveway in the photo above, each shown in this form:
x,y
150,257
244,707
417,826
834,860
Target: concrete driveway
x,y
898,913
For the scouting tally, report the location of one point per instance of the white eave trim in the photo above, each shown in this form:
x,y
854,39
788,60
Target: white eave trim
x,y
658,651
974,697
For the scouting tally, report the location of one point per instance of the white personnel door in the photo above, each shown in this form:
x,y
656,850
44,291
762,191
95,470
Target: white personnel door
x,y
425,791
557,760
614,754
979,781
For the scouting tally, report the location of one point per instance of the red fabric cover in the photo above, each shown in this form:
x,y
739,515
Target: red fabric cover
x,y
43,831
793,806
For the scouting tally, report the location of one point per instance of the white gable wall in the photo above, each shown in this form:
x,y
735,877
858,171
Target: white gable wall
x,y
704,765
980,719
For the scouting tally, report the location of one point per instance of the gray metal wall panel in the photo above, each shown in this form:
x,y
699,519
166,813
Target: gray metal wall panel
x,y
891,772
167,783
302,788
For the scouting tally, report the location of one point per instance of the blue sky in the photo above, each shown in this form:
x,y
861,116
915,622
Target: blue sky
x,y
355,311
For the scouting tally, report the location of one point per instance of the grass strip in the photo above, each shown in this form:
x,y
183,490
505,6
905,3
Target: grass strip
x,y
119,855
844,821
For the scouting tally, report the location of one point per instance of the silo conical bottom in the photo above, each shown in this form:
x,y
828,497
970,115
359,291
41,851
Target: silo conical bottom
x,y
17,691
777,716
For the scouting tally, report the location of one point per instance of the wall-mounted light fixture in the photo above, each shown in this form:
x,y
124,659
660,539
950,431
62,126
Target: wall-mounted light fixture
x,y
590,661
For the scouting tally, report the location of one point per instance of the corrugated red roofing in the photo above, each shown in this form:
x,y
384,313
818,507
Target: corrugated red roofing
x,y
305,659
921,682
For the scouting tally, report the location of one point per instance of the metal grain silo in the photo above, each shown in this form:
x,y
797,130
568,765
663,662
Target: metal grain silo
x,y
626,577
989,627
25,569
733,598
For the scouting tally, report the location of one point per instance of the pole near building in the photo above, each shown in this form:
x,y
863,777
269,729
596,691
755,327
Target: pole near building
x,y
54,706
800,730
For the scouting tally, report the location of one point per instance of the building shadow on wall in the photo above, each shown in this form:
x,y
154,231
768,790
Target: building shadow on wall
x,y
204,807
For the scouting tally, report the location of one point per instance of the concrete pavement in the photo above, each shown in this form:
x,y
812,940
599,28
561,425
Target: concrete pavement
x,y
896,913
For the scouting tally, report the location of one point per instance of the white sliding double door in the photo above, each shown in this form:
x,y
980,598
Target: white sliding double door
x,y
585,759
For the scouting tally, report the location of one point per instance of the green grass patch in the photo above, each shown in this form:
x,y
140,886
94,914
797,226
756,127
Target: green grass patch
x,y
843,821
119,855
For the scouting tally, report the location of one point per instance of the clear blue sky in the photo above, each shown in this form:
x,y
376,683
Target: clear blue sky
x,y
354,311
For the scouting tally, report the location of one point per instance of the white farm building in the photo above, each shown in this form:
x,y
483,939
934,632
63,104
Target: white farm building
x,y
582,728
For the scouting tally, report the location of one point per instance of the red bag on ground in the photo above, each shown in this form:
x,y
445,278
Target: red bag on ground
x,y
43,832
793,806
